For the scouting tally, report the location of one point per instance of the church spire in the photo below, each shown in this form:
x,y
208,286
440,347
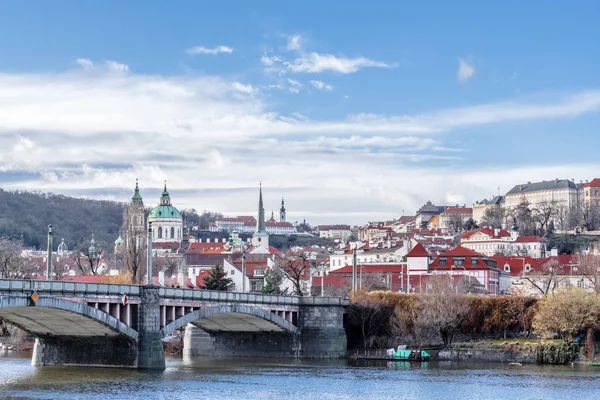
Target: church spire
x,y
260,224
282,211
137,198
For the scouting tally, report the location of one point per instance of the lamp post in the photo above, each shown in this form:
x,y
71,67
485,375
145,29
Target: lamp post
x,y
149,262
49,260
354,272
243,268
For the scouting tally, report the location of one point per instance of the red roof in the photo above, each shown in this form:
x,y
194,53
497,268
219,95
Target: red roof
x,y
459,210
418,251
487,231
202,247
528,239
406,219
593,183
371,268
516,264
460,251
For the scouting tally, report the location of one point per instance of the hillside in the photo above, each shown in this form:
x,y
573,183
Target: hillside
x,y
26,215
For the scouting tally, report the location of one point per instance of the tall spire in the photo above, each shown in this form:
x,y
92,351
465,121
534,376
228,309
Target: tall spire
x,y
137,198
282,211
260,224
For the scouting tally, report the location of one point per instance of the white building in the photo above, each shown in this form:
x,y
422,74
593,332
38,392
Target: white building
x,y
167,222
491,242
561,191
339,232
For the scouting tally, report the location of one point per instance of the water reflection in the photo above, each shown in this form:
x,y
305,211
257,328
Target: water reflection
x,y
299,379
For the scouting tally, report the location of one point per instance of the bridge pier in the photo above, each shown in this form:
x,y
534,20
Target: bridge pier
x,y
150,349
88,351
321,327
199,343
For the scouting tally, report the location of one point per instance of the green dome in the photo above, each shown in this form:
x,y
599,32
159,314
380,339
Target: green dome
x,y
164,212
119,241
164,209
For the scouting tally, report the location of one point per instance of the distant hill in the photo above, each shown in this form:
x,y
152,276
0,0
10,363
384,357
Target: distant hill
x,y
26,215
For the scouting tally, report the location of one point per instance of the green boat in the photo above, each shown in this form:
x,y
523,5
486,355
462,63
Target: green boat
x,y
411,355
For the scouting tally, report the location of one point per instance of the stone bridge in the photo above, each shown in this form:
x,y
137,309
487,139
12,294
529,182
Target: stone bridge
x,y
124,325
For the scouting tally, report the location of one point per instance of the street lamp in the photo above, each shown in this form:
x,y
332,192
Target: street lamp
x,y
322,270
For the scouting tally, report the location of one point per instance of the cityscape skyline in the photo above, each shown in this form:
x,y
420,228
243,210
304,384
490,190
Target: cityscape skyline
x,y
352,114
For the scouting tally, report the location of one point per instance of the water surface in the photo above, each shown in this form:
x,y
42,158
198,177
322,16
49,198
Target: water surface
x,y
288,379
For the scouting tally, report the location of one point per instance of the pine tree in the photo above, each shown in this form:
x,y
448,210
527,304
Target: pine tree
x,y
217,279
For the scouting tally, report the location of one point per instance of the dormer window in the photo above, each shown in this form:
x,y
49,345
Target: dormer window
x,y
474,261
442,262
506,268
459,262
527,267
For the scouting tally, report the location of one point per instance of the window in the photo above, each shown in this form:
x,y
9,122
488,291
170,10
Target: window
x,y
506,268
459,262
442,262
160,232
259,272
474,261
256,286
527,267
232,272
172,233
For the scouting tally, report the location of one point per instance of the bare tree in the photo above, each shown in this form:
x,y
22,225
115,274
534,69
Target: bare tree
x,y
455,222
545,279
563,217
86,260
589,217
493,217
589,264
441,311
169,264
543,213
523,216
136,247
12,264
295,265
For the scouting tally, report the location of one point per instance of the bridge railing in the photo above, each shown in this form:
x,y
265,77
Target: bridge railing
x,y
240,297
14,285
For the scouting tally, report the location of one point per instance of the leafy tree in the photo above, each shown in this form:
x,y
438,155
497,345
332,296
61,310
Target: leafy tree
x,y
273,280
567,313
217,279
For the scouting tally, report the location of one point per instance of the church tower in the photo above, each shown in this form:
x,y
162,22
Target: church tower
x,y
282,211
260,237
135,224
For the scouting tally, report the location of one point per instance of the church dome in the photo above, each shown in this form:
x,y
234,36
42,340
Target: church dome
x,y
62,247
164,209
119,242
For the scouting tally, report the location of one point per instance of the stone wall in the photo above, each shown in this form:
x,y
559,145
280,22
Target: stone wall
x,y
524,354
322,333
198,343
94,351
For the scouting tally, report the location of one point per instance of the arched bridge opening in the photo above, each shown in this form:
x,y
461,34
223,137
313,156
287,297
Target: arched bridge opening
x,y
233,318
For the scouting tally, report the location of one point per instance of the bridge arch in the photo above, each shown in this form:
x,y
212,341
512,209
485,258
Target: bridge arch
x,y
258,319
60,317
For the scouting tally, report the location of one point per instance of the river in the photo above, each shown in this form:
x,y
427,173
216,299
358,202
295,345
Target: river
x,y
288,379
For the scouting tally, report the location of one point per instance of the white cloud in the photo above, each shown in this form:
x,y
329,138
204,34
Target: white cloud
x,y
85,63
321,85
206,50
465,71
315,62
294,42
212,138
114,66
294,82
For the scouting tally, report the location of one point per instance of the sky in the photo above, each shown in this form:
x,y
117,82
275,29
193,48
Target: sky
x,y
354,111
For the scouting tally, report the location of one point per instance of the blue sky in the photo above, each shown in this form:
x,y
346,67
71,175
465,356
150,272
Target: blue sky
x,y
355,110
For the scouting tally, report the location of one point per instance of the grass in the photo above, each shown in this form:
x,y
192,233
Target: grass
x,y
526,341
